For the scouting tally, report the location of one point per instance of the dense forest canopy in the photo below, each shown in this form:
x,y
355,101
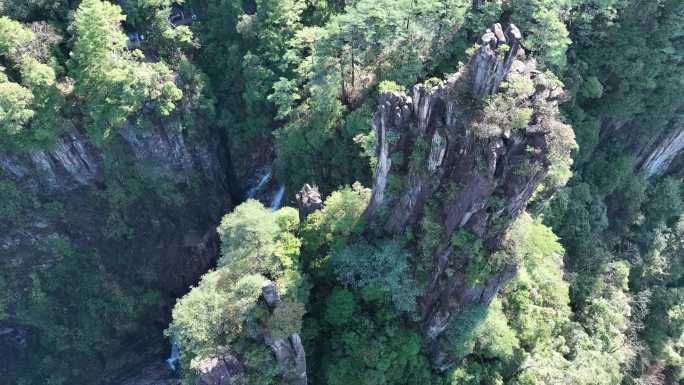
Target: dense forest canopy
x,y
528,232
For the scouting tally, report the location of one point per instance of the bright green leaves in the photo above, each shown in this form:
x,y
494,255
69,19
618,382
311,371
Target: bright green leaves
x,y
338,221
12,36
212,314
286,319
15,106
111,84
549,37
248,239
284,97
507,111
348,57
526,335
256,244
496,338
98,33
269,59
532,240
390,86
544,29
35,91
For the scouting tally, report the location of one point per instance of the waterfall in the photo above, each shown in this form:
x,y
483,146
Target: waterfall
x,y
175,355
278,198
262,182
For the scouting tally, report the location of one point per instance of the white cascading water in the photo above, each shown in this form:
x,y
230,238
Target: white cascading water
x,y
278,198
175,355
262,182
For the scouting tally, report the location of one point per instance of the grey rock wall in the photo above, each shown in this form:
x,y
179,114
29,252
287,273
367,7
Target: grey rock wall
x,y
658,157
430,141
172,248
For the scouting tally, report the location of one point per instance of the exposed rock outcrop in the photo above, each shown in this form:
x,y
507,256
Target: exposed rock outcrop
x,y
288,351
465,160
291,359
490,64
657,158
309,200
227,368
222,369
269,293
71,163
75,164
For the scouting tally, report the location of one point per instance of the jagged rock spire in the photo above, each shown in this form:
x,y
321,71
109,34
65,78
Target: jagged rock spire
x,y
492,61
432,146
309,200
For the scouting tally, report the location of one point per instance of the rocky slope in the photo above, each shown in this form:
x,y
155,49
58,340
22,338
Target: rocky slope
x,y
475,167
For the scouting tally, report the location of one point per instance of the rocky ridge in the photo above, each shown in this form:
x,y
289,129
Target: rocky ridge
x,y
449,151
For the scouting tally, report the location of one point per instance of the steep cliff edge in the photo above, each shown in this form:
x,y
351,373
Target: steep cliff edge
x,y
142,208
456,164
657,158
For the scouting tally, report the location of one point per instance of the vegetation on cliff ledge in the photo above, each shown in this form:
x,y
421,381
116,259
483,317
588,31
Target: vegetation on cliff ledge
x,y
586,278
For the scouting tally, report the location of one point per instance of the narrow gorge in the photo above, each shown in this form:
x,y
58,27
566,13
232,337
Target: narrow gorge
x,y
338,192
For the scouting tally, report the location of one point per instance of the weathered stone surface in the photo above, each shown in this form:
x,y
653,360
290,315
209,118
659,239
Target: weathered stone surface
x,y
394,112
290,356
309,200
288,351
227,368
71,163
270,293
657,158
491,62
481,183
221,369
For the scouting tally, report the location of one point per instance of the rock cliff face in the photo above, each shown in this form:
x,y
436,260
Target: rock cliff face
x,y
71,163
75,166
172,246
443,147
309,200
656,159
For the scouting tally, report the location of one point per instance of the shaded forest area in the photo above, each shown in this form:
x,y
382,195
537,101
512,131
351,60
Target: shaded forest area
x,y
128,128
